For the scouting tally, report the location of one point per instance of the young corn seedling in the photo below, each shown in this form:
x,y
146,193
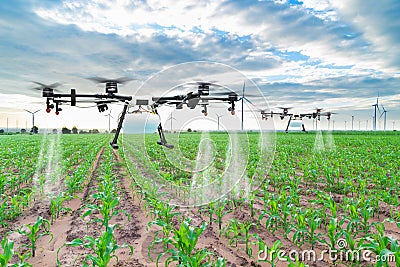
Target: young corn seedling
x,y
245,236
164,219
366,214
313,223
220,212
353,221
33,232
103,248
184,252
273,214
56,206
300,235
238,231
334,233
232,231
8,251
108,203
272,255
353,246
379,244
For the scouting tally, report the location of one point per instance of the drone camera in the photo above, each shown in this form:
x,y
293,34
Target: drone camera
x,y
102,107
142,102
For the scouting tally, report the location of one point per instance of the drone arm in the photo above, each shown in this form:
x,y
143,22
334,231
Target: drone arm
x,y
121,120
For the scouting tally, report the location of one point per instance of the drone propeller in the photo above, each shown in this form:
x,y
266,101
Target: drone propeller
x,y
121,80
43,86
203,83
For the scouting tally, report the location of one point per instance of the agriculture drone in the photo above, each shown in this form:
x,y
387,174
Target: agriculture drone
x,y
285,113
202,97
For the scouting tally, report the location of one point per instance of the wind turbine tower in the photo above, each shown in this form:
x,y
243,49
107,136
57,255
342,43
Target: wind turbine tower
x,y
384,117
376,107
219,116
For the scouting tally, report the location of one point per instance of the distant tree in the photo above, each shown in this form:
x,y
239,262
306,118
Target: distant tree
x,y
1,131
95,131
55,131
74,130
113,130
23,131
189,130
65,130
35,130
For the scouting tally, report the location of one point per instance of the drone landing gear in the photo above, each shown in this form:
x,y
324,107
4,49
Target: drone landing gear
x,y
287,127
114,142
303,128
163,141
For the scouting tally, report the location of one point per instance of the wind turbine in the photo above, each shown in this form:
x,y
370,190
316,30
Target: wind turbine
x,y
244,98
384,118
109,120
219,116
376,107
171,118
33,117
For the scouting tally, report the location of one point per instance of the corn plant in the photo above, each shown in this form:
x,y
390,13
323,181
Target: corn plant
x,y
107,206
274,215
353,220
232,231
334,233
184,252
103,248
220,212
300,235
8,251
272,254
313,223
382,246
366,214
33,232
240,231
164,218
56,206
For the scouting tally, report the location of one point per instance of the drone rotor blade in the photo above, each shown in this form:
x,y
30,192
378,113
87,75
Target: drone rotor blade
x,y
44,86
121,80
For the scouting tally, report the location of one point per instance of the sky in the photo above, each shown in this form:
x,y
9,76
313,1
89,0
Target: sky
x,y
336,55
